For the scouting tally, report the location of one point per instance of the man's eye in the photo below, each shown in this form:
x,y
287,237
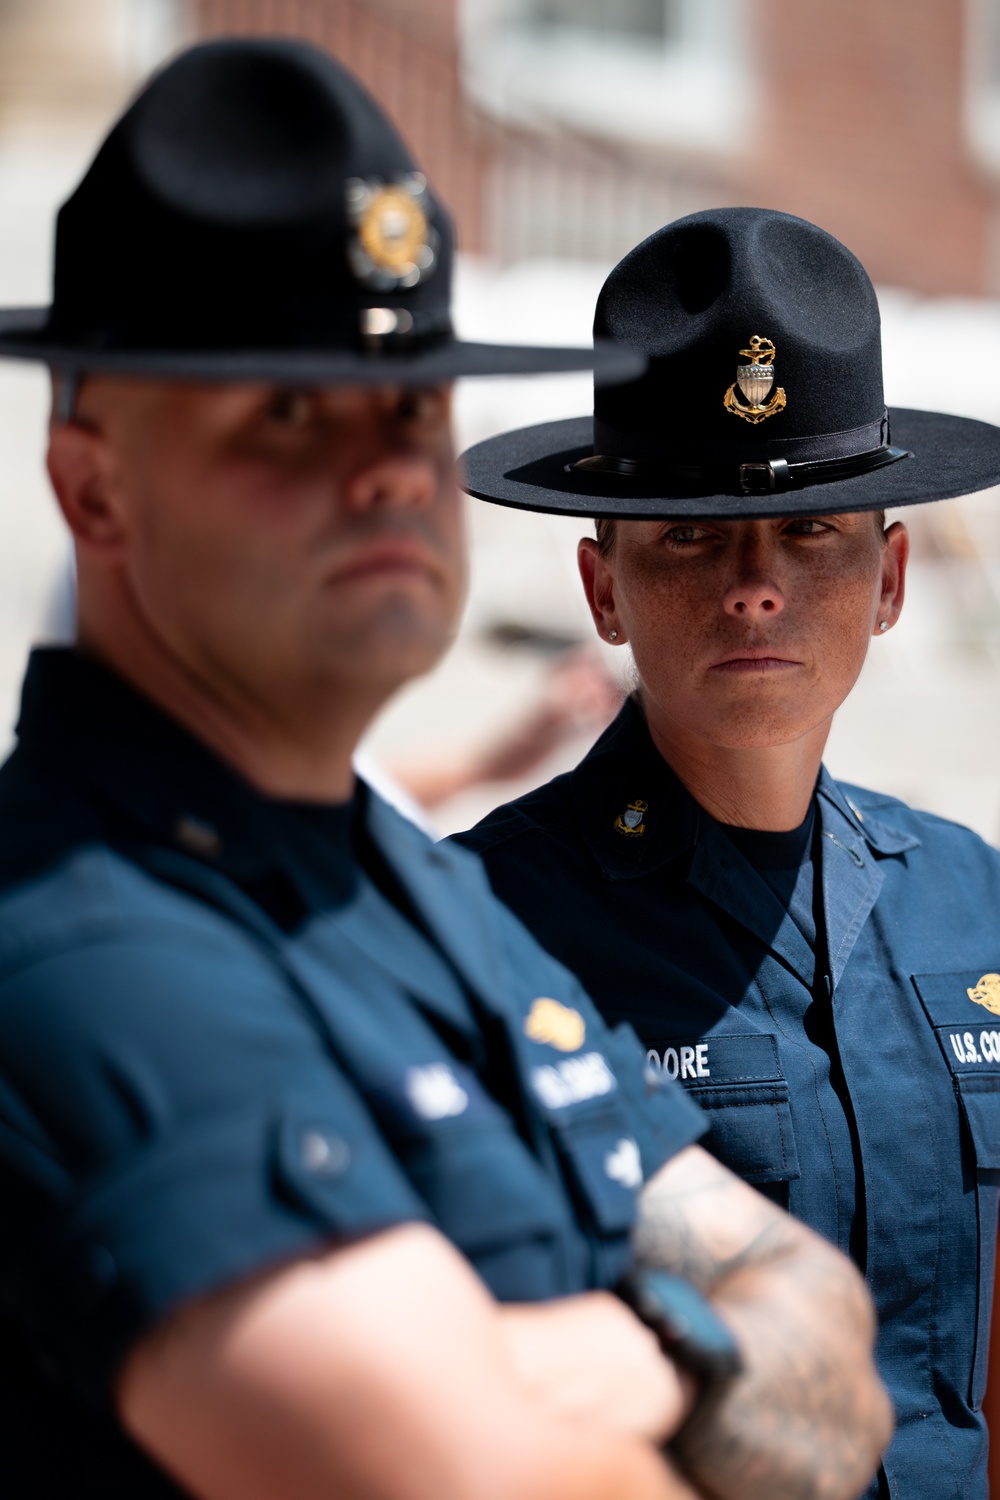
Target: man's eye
x,y
421,404
289,408
806,526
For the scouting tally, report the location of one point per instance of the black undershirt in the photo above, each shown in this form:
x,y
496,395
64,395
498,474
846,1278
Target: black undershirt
x,y
787,861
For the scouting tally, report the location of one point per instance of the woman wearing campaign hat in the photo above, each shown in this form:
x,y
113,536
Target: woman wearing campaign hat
x,y
818,964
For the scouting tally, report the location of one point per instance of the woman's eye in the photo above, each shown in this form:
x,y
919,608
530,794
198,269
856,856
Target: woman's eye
x,y
806,526
680,536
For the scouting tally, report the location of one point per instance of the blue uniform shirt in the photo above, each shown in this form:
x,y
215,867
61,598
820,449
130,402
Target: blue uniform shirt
x,y
234,1031
856,1080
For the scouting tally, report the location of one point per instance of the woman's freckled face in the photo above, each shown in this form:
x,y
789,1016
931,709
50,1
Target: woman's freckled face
x,y
747,633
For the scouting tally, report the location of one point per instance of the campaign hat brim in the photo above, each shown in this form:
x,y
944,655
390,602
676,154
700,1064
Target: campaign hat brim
x,y
527,470
25,334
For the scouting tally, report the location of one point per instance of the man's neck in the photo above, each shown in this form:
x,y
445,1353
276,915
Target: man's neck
x,y
305,756
765,787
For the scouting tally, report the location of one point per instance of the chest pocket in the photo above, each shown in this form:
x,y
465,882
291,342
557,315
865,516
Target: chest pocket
x,y
964,1010
739,1083
461,1152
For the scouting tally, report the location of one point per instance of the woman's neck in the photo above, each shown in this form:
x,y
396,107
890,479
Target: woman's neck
x,y
749,786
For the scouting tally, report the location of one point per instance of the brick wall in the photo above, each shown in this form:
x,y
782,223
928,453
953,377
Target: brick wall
x,y
406,52
860,128
863,131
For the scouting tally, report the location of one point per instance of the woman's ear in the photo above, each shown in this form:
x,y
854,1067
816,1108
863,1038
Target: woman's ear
x,y
895,555
80,469
599,587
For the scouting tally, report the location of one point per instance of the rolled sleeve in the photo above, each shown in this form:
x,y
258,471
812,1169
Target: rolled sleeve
x,y
174,1124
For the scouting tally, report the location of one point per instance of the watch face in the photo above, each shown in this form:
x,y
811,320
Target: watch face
x,y
689,1329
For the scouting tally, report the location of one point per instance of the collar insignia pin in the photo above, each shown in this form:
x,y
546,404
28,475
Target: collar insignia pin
x,y
630,821
197,836
555,1025
394,245
755,381
987,993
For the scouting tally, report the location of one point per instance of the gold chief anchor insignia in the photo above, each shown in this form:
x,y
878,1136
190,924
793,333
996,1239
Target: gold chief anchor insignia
x,y
630,821
987,993
755,381
556,1025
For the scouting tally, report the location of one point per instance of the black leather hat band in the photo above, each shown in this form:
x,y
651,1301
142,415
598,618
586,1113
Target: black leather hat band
x,y
795,450
757,477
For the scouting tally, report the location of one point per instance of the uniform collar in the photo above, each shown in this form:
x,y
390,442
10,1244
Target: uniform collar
x,y
877,831
636,817
159,785
634,813
198,823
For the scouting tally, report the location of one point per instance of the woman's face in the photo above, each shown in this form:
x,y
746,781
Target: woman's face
x,y
746,633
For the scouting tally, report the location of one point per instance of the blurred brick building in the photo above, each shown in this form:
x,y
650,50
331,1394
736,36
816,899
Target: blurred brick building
x,y
574,127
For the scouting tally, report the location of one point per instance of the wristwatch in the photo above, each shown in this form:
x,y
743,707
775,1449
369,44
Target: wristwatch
x,y
690,1331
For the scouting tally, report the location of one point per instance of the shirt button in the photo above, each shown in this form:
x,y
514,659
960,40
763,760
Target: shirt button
x,y
323,1154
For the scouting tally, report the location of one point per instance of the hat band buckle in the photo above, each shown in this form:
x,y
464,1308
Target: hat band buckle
x,y
765,478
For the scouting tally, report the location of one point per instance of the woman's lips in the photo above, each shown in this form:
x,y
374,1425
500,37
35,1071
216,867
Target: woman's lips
x,y
753,663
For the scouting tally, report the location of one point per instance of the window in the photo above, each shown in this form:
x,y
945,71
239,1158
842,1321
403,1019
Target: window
x,y
653,19
983,79
657,71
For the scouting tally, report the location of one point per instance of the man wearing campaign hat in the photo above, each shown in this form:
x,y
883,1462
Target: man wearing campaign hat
x,y
316,1172
817,964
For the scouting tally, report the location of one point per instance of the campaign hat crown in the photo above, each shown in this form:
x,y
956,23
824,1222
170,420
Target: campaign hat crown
x,y
762,393
253,215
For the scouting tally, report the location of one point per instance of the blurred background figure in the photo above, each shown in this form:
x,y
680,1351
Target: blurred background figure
x,y
562,132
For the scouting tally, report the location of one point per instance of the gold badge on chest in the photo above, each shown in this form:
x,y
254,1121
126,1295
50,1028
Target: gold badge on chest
x,y
555,1025
987,993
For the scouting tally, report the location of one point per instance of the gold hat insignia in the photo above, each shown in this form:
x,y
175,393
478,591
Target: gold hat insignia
x,y
987,993
630,822
755,381
394,245
556,1025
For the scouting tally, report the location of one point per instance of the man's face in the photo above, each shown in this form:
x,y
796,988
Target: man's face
x,y
283,541
746,633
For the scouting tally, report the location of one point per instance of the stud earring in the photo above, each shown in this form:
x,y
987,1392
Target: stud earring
x,y
612,635
883,624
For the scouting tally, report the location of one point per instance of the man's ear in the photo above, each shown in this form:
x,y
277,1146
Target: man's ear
x,y
895,555
599,587
80,468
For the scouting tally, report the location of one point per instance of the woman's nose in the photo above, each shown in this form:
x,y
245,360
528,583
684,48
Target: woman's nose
x,y
754,597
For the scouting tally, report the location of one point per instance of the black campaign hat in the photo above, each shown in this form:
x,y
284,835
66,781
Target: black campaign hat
x,y
762,395
253,215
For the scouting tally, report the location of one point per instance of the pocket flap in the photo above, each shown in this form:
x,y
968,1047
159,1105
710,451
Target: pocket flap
x,y
606,1166
737,1080
968,998
980,1099
752,1135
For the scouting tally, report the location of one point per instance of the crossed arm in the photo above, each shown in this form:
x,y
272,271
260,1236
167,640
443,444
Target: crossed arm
x,y
809,1417
385,1371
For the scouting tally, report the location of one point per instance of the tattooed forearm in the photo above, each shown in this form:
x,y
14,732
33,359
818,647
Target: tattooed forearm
x,y
678,1230
808,1418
